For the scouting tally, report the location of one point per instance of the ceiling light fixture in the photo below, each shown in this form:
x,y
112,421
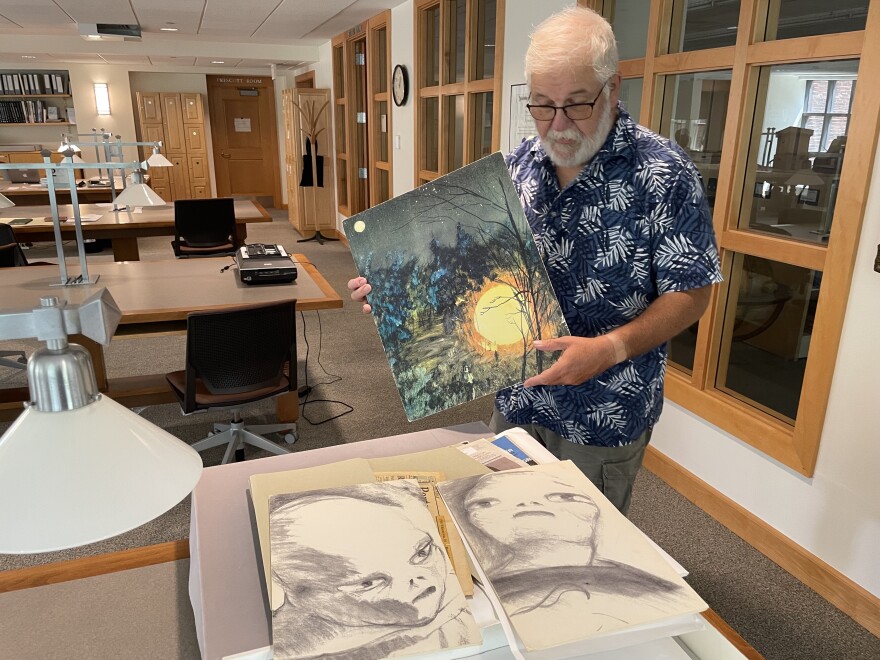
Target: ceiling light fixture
x,y
168,29
29,57
217,62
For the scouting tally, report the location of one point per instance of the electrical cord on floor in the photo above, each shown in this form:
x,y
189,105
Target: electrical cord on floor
x,y
306,390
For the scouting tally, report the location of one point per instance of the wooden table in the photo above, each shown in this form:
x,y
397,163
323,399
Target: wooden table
x,y
155,297
31,194
123,228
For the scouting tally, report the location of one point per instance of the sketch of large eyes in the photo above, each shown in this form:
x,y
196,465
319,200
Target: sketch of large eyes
x,y
365,585
482,503
423,553
568,497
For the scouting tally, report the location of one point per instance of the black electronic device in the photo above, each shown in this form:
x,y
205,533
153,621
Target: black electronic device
x,y
260,263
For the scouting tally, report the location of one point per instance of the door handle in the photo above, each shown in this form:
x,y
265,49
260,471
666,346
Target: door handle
x,y
225,155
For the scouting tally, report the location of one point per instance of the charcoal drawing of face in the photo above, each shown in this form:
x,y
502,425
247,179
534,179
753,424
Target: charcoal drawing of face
x,y
533,519
537,533
399,580
363,575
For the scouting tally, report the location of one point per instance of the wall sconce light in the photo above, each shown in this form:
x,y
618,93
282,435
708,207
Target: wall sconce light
x,y
102,98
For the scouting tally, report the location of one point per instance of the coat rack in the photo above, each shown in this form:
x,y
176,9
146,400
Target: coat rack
x,y
308,111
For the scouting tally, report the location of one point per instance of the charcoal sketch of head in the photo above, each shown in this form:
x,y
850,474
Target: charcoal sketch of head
x,y
525,520
536,536
358,576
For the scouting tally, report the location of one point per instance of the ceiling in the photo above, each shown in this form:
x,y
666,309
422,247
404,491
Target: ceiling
x,y
242,34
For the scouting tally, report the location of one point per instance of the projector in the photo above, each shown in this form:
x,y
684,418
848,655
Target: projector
x,y
109,31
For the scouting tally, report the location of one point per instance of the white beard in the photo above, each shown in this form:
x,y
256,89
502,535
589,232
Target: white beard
x,y
583,147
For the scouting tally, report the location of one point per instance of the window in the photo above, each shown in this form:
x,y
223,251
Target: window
x,y
457,83
786,136
827,108
361,73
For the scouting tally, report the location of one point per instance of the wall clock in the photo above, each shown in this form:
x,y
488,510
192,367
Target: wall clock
x,y
399,85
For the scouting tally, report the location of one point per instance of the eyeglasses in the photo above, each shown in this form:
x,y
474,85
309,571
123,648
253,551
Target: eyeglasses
x,y
574,111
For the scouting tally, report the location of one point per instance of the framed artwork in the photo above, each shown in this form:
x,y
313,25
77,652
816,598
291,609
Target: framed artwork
x,y
459,289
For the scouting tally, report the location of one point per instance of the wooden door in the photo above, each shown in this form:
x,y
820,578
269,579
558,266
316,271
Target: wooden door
x,y
171,110
244,138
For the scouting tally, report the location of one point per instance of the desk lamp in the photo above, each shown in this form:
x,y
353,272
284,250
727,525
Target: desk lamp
x,y
76,467
67,165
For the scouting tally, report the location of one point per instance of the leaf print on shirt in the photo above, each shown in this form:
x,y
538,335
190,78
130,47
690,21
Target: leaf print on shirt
x,y
619,243
676,253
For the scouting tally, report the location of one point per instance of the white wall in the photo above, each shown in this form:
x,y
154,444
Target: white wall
x,y
121,119
403,118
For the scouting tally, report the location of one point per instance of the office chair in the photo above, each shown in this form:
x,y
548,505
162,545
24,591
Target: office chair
x,y
204,227
11,255
235,357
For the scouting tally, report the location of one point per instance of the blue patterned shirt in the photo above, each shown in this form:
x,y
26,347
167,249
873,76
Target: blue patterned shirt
x,y
632,226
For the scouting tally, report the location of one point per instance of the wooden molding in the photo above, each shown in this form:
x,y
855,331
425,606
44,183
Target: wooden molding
x,y
111,562
731,635
850,598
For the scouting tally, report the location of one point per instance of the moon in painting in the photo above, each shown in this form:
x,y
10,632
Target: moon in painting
x,y
498,315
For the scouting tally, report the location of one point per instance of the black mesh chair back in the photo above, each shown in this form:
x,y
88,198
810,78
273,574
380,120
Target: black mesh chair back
x,y
204,227
11,253
241,351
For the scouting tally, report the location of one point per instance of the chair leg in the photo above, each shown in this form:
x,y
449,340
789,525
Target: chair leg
x,y
234,444
214,440
289,430
262,443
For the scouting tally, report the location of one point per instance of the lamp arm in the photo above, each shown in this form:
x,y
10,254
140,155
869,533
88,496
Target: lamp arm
x,y
96,317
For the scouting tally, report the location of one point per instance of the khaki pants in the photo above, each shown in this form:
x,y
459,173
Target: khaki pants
x,y
612,469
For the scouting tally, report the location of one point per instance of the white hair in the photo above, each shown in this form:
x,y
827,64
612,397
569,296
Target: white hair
x,y
573,40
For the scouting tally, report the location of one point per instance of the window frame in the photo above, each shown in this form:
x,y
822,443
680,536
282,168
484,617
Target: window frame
x,y
795,445
357,196
470,88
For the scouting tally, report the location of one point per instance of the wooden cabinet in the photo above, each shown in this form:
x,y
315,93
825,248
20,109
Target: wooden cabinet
x,y
178,121
307,126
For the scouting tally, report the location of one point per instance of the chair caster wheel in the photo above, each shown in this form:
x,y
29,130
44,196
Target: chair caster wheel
x,y
289,438
239,455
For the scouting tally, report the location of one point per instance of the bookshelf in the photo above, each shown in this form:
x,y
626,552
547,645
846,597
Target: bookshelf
x,y
35,98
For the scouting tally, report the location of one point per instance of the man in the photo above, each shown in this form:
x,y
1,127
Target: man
x,y
621,219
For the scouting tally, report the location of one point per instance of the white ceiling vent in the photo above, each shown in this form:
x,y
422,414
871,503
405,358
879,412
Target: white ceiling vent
x,y
109,31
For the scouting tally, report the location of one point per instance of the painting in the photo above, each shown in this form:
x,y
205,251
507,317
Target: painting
x,y
363,575
459,289
563,562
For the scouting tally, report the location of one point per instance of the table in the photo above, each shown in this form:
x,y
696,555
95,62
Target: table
x,y
123,228
225,585
30,194
153,301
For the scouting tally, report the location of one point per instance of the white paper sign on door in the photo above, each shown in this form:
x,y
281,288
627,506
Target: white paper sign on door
x,y
242,124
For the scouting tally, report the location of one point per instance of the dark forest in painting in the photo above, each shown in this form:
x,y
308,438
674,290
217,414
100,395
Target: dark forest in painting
x,y
459,289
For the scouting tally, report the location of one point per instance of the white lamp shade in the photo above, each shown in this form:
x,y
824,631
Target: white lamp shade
x,y
80,476
158,160
139,194
76,159
5,202
64,146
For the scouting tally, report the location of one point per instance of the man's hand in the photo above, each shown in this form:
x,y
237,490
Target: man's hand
x,y
581,359
359,288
